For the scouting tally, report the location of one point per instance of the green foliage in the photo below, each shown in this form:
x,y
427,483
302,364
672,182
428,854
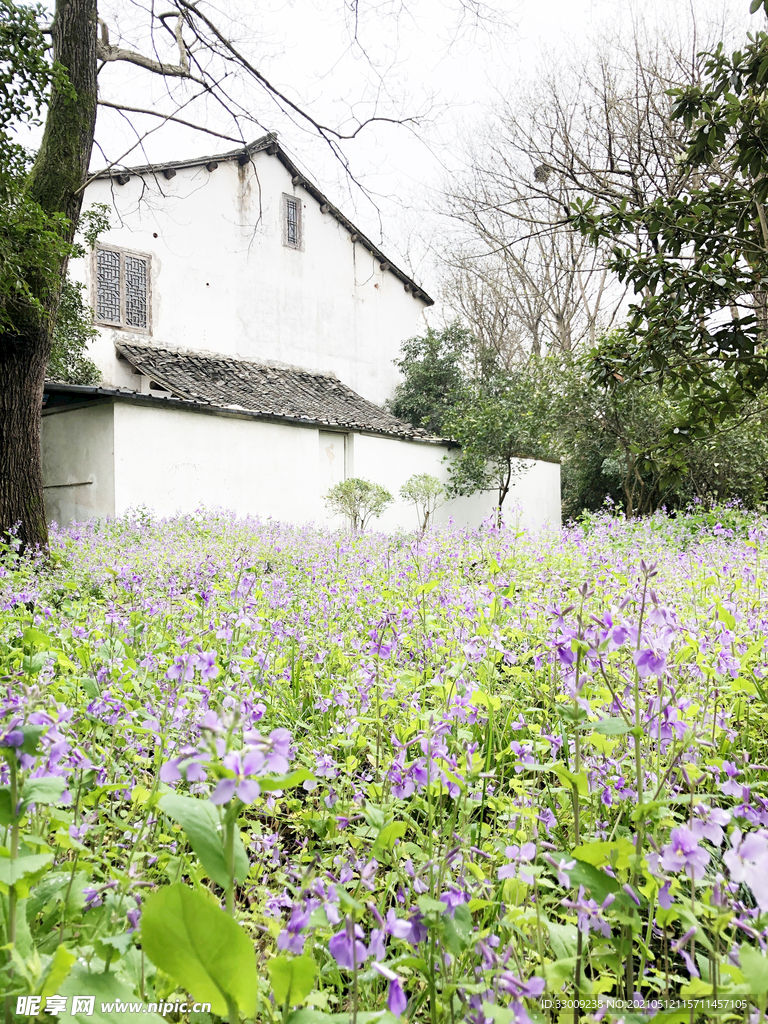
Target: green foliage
x,y
498,419
699,259
292,979
359,500
425,492
188,936
26,74
497,416
71,336
202,827
32,242
434,371
613,441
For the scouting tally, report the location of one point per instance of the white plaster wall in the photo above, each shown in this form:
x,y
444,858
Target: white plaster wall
x,y
533,500
78,450
175,460
172,460
223,281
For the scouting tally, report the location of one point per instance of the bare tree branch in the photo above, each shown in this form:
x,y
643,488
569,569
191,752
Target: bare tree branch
x,y
171,117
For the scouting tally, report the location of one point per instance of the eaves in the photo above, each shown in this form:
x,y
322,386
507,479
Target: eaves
x,y
93,395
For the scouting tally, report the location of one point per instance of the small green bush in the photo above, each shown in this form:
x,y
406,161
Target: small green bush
x,y
425,492
358,500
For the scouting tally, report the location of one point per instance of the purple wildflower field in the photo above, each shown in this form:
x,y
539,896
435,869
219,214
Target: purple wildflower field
x,y
309,777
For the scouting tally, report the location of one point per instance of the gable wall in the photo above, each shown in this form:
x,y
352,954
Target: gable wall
x,y
223,281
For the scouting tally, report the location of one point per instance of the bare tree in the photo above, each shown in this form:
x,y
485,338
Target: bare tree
x,y
596,128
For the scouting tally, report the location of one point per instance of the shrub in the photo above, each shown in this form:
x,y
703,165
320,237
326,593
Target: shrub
x,y
425,492
358,500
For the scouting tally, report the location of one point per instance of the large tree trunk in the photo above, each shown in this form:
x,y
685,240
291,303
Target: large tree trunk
x,y
55,182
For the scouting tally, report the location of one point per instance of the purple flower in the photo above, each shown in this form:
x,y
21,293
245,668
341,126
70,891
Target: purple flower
x,y
183,668
13,738
649,663
683,853
244,788
708,824
206,665
518,855
418,929
665,900
561,867
677,947
589,914
396,998
747,861
396,926
346,946
289,938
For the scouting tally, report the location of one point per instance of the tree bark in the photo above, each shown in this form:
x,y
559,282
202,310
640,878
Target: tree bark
x,y
57,175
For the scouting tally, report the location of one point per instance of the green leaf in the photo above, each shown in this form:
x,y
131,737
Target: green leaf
x,y
36,638
388,836
13,871
615,853
268,783
107,989
202,827
43,791
754,967
200,947
292,978
580,781
6,806
596,882
58,971
457,930
562,938
609,727
499,1014
429,906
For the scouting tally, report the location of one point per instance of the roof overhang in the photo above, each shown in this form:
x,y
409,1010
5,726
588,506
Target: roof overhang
x,y
60,398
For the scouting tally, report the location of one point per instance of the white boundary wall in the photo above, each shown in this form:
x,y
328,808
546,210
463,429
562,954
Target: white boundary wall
x,y
176,460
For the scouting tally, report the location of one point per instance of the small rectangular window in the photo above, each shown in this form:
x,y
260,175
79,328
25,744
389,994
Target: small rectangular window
x,y
122,289
292,222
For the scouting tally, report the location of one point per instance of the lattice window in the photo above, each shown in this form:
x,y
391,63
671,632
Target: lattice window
x,y
135,291
122,289
292,222
108,286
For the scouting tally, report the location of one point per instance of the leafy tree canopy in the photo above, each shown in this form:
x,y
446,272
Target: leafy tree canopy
x,y
434,373
73,331
31,241
698,262
359,500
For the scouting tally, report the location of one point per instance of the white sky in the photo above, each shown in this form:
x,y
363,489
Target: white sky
x,y
424,59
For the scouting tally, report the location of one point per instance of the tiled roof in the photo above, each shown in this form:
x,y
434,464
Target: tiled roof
x,y
262,389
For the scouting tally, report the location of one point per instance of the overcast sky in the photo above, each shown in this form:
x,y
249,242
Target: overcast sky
x,y
422,57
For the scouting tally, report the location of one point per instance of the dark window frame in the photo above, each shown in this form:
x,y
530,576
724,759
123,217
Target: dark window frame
x,y
293,229
122,323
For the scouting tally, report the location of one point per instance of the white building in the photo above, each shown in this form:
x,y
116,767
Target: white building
x,y
247,332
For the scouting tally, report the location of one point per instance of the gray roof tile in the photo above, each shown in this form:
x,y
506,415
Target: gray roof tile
x,y
283,392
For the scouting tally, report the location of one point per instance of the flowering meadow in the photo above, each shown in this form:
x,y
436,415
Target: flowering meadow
x,y
309,777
